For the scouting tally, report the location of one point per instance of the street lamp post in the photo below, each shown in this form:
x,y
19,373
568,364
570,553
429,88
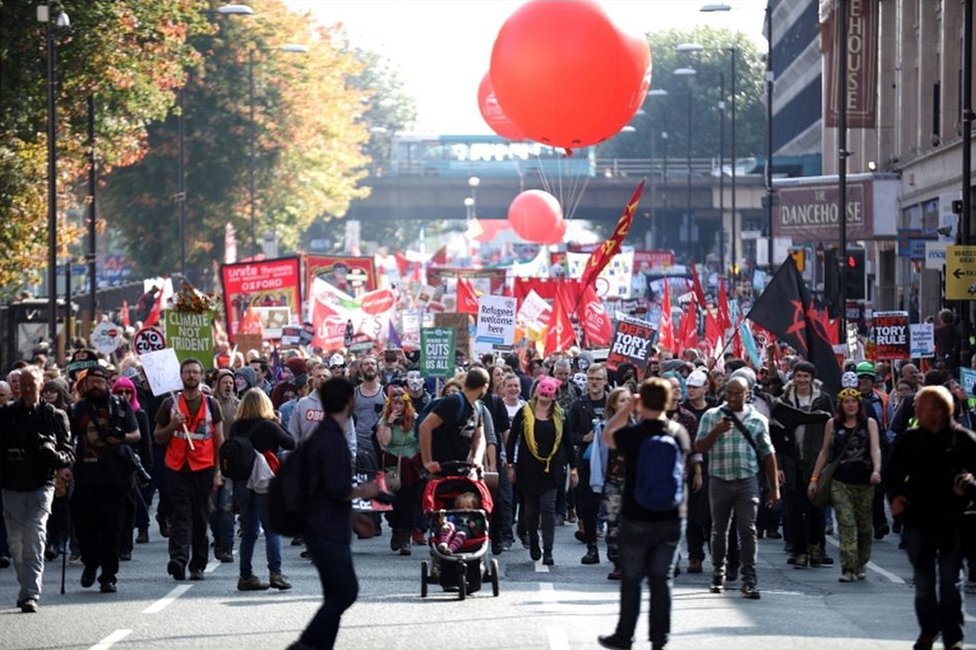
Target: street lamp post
x,y
721,173
688,72
61,21
769,134
92,184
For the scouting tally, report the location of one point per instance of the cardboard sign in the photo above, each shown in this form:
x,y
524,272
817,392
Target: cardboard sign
x,y
922,336
106,337
891,335
459,323
162,370
631,343
437,352
190,335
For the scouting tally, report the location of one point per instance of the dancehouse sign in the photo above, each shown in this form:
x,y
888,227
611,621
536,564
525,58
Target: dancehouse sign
x,y
812,213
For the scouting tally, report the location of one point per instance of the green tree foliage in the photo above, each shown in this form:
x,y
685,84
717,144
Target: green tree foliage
x,y
669,113
130,55
308,132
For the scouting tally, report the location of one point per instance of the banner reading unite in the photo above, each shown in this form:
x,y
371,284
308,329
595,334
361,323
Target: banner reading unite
x,y
269,283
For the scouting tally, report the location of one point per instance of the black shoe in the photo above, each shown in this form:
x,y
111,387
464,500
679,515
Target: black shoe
x,y
535,553
29,606
51,553
580,537
196,575
547,559
88,576
772,533
143,536
614,642
881,531
732,574
297,540
4,561
717,585
592,556
108,587
163,525
225,556
177,570
125,556
749,592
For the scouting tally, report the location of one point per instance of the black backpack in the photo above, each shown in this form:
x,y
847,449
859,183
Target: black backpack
x,y
237,458
288,496
432,404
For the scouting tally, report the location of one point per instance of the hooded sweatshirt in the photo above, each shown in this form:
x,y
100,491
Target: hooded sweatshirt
x,y
248,375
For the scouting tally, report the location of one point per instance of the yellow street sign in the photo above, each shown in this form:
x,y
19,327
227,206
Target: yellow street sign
x,y
960,281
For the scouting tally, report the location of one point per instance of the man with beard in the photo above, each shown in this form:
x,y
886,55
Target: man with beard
x,y
33,445
102,425
368,404
191,428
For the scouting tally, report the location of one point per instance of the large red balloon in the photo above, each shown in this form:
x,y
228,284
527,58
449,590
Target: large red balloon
x,y
557,234
494,115
535,216
566,75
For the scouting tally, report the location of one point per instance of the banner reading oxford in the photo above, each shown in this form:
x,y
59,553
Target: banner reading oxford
x,y
268,283
190,335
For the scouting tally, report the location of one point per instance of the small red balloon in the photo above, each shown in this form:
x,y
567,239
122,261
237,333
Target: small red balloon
x,y
566,75
494,115
535,216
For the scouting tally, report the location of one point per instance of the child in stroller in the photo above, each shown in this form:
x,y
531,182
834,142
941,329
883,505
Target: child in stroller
x,y
458,508
454,529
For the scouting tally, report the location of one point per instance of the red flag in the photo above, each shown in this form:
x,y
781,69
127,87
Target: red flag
x,y
602,255
403,264
124,314
688,337
593,316
156,310
440,257
250,323
560,335
724,321
467,301
665,333
696,286
713,333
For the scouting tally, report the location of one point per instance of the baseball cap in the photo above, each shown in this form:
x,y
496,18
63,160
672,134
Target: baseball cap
x,y
697,379
865,368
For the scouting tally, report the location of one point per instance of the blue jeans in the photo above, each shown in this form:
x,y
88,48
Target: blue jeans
x,y
25,514
936,552
647,549
339,588
254,516
222,516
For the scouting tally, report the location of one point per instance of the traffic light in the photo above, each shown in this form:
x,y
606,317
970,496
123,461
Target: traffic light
x,y
799,256
854,273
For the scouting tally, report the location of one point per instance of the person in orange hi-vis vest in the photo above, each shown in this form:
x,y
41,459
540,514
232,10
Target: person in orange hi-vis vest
x,y
189,424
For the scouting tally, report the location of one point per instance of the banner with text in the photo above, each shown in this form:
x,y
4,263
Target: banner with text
x,y
922,340
269,283
190,335
631,344
496,324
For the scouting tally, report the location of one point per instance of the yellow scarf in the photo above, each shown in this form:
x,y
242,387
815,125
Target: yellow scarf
x,y
528,430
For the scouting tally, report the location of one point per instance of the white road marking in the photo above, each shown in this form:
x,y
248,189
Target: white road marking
x,y
111,640
167,600
557,637
212,566
548,598
540,567
896,579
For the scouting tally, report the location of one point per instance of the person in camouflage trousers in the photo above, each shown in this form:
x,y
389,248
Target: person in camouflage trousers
x,y
607,473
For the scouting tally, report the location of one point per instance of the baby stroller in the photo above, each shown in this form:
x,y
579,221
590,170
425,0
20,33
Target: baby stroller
x,y
464,569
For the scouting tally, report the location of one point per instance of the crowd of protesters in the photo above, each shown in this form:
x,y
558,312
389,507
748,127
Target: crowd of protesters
x,y
88,456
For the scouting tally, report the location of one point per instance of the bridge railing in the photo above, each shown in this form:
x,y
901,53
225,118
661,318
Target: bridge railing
x,y
657,167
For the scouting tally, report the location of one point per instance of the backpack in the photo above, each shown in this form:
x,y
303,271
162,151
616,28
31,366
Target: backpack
x,y
237,458
659,484
429,408
288,496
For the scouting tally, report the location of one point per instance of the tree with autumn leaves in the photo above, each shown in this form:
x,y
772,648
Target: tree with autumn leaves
x,y
134,57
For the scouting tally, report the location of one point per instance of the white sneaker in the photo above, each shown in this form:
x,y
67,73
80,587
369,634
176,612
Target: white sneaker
x,y
847,576
861,574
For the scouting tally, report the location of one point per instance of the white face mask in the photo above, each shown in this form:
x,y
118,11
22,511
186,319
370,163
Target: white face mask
x,y
414,381
580,380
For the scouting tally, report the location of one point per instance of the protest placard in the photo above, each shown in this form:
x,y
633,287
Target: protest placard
x,y
496,324
922,340
631,343
162,370
891,335
190,334
437,352
106,336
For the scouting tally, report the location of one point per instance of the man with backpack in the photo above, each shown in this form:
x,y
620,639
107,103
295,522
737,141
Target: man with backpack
x,y
190,426
654,452
452,429
102,425
736,437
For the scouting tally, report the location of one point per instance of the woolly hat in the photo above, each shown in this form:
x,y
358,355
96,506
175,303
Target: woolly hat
x,y
248,375
747,374
805,366
297,365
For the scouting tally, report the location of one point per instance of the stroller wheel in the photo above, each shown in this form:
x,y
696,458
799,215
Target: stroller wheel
x,y
462,585
424,578
493,569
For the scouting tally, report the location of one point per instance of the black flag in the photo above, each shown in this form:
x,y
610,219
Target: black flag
x,y
786,310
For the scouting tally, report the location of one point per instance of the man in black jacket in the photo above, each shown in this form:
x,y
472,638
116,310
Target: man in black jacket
x,y
583,415
925,478
34,445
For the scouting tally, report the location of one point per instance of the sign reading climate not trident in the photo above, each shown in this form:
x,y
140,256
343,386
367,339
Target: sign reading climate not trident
x,y
190,335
